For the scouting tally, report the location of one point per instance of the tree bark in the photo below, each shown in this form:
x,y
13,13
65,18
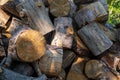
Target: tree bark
x,y
64,32
35,14
94,38
9,6
6,74
92,12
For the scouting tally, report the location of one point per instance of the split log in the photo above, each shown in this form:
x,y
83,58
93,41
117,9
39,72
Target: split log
x,y
68,58
92,12
93,69
60,8
26,45
6,74
23,68
4,17
111,33
35,14
64,32
94,38
80,48
111,61
51,63
77,70
9,6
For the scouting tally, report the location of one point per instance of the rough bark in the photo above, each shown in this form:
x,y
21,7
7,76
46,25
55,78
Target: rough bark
x,y
9,6
34,13
64,32
92,12
77,70
68,58
60,8
94,38
51,63
6,74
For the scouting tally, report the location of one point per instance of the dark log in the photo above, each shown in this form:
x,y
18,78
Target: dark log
x,y
2,51
60,8
73,8
93,68
77,70
6,74
34,13
68,58
64,32
51,63
23,68
92,12
4,17
111,33
95,38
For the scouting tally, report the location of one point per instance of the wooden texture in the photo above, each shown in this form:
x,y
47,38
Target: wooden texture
x,y
2,51
93,68
30,46
9,6
95,38
64,32
76,71
51,63
4,17
110,32
60,8
92,12
68,58
34,13
6,74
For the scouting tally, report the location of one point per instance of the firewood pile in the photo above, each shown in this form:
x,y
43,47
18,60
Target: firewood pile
x,y
58,40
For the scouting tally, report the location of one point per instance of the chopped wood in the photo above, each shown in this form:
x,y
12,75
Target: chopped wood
x,y
51,63
93,68
95,38
77,70
4,17
34,13
64,32
60,8
68,58
9,6
6,74
92,12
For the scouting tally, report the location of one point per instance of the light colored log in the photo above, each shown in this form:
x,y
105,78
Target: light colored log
x,y
35,14
60,8
94,38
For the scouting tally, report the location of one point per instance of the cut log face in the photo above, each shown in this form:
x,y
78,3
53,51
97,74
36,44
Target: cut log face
x,y
93,69
64,32
30,46
9,6
76,71
36,15
4,17
51,63
92,12
94,38
60,8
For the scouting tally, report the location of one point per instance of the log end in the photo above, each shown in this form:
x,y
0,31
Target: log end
x,y
30,46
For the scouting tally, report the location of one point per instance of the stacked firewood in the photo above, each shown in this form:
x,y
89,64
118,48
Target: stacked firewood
x,y
58,40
